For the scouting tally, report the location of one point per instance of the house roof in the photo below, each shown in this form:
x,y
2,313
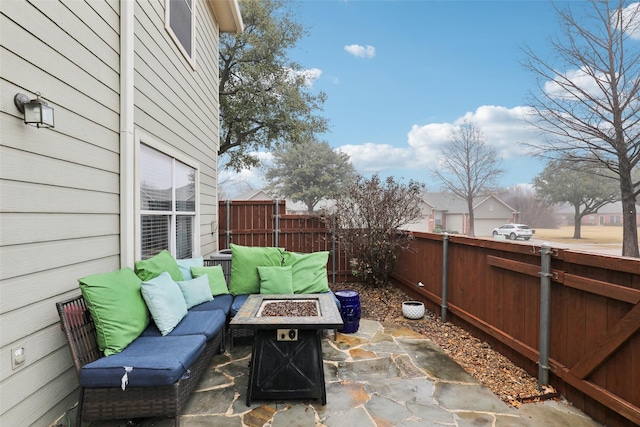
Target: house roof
x,y
253,195
227,13
451,203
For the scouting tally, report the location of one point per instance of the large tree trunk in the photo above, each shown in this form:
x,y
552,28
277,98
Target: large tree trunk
x,y
472,232
577,223
629,218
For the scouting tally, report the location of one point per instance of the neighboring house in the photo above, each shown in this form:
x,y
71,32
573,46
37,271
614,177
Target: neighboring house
x,y
129,168
609,214
448,212
254,195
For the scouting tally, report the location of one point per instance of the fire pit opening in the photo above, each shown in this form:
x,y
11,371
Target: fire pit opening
x,y
289,308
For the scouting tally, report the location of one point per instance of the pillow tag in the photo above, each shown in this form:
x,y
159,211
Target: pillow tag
x,y
125,377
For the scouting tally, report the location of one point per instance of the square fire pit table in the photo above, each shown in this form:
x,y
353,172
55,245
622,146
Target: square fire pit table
x,y
286,361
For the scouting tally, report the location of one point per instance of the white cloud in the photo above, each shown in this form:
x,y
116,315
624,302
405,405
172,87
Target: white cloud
x,y
309,75
369,157
503,128
361,51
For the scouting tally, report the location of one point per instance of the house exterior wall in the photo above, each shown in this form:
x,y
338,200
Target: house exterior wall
x,y
456,223
425,223
490,214
60,188
176,105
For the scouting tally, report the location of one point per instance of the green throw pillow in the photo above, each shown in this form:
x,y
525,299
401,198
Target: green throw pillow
x,y
152,267
275,280
185,266
195,291
165,302
215,276
117,308
309,271
244,267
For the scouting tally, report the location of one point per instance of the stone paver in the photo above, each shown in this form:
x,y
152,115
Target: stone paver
x,y
376,377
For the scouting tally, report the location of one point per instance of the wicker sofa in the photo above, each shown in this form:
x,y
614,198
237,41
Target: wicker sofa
x,y
154,371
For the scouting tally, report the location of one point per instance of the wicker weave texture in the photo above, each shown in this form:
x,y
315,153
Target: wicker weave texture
x,y
135,402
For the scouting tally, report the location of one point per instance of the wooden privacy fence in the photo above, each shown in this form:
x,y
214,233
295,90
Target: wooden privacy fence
x,y
264,223
493,290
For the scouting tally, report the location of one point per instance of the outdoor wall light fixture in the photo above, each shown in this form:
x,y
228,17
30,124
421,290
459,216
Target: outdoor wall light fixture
x,y
36,111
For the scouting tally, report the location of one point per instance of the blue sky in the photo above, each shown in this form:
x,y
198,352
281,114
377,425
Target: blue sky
x,y
399,75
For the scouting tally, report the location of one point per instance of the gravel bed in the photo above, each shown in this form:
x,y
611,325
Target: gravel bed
x,y
510,383
290,308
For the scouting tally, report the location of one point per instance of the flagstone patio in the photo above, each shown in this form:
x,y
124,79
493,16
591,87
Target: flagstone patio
x,y
382,375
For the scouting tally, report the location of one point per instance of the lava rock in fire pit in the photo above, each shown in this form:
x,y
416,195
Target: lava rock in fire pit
x,y
290,309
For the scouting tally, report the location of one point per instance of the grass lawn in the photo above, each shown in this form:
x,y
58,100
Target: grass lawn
x,y
590,234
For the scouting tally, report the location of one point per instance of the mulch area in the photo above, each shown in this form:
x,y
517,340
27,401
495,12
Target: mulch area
x,y
510,383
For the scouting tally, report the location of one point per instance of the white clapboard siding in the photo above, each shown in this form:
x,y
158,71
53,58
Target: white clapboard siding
x,y
26,197
101,153
163,67
16,390
40,344
23,74
28,167
101,82
19,259
47,403
24,228
18,291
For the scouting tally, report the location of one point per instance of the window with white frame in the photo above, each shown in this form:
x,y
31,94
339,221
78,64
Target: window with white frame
x,y
179,22
168,204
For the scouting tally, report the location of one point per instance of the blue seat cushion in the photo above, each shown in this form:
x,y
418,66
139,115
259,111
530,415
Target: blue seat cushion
x,y
238,300
156,361
221,302
207,323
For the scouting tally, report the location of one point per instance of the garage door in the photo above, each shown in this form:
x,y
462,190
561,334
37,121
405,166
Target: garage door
x,y
483,227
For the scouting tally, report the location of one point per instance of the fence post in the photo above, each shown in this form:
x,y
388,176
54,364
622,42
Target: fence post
x,y
333,249
445,250
276,232
545,302
228,224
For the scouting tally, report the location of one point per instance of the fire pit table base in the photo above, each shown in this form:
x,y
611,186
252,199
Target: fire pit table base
x,y
286,364
286,361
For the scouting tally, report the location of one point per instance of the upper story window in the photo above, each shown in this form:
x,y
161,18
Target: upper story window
x,y
168,205
179,22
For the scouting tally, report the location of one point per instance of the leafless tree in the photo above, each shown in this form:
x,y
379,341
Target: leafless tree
x,y
468,166
530,210
588,98
369,217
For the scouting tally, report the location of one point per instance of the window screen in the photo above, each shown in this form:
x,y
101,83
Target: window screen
x,y
167,204
181,23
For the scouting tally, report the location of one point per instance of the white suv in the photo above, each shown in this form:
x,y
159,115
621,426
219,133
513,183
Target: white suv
x,y
513,231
